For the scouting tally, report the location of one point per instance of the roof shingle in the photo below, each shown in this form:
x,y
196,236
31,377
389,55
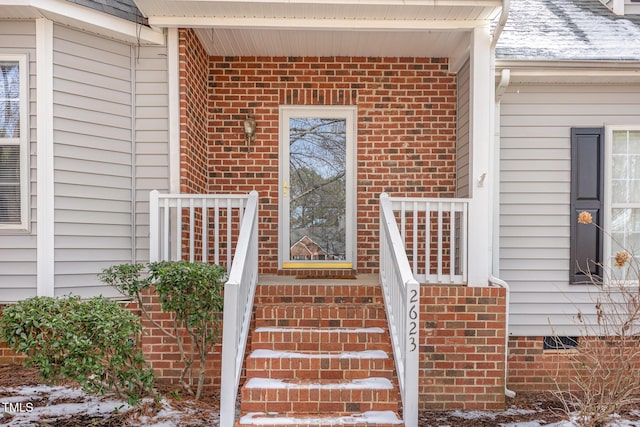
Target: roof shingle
x,y
568,30
125,9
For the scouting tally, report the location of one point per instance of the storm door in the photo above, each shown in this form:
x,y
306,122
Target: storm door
x,y
317,197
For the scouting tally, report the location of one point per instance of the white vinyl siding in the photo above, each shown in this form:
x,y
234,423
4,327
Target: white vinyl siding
x,y
152,138
18,246
93,159
462,144
535,167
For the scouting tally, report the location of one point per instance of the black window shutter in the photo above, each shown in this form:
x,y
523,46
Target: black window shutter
x,y
587,194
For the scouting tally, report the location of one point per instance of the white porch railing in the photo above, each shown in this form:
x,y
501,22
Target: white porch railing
x,y
402,300
239,292
434,232
194,227
428,246
222,229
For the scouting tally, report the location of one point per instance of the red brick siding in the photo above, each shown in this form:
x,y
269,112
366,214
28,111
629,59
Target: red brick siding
x,y
194,116
162,352
531,368
462,348
406,130
7,356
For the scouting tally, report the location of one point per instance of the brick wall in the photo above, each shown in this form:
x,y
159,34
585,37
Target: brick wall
x,y
406,129
194,116
162,352
531,368
462,348
7,356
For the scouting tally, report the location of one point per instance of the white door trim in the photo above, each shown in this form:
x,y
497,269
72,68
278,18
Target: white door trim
x,y
350,114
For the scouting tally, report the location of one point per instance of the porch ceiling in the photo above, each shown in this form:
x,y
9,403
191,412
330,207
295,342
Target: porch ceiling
x,y
430,28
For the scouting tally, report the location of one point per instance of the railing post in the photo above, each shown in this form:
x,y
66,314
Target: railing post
x,y
229,349
411,372
154,226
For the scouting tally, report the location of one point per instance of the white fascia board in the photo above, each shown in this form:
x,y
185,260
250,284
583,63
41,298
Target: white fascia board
x,y
572,73
569,68
312,24
93,20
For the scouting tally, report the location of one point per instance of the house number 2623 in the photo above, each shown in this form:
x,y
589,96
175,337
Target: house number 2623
x,y
413,317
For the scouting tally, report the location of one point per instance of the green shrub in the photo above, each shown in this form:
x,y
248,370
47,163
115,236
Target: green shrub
x,y
192,293
93,342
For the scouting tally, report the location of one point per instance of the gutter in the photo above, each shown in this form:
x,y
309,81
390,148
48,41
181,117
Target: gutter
x,y
504,15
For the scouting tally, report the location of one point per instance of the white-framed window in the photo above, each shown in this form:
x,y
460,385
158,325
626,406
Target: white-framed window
x,y
622,204
14,153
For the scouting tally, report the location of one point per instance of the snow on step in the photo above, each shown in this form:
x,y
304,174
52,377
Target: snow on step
x,y
321,330
366,354
369,417
355,384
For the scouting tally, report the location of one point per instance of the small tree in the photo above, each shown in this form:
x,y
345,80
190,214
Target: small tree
x,y
607,364
93,342
192,293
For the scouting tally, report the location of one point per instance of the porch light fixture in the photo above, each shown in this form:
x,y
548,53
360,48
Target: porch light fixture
x,y
249,129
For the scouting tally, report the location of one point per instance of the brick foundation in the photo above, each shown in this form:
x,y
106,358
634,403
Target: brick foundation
x,y
162,352
531,368
462,348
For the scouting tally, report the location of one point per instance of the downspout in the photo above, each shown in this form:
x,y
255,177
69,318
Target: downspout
x,y
494,281
500,90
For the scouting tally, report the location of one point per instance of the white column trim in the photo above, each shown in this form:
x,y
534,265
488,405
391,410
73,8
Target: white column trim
x,y
482,102
45,167
174,109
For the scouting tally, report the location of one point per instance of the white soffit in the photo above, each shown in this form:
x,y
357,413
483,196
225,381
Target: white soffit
x,y
326,27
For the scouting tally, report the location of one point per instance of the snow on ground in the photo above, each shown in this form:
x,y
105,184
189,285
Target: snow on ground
x,y
28,405
44,405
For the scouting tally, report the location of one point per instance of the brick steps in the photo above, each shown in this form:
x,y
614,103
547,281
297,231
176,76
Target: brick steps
x,y
322,339
282,365
318,395
320,355
324,315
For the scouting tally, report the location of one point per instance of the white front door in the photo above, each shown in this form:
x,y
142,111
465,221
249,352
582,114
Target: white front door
x,y
317,187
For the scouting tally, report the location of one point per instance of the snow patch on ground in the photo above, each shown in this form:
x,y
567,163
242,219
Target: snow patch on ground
x,y
42,402
33,405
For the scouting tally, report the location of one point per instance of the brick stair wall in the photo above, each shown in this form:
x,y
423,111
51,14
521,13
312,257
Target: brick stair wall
x,y
320,354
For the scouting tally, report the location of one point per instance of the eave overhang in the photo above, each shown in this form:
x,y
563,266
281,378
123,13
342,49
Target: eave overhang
x,y
326,27
81,17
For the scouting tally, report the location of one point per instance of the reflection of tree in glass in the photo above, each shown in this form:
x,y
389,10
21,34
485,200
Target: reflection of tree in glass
x,y
318,187
9,100
10,210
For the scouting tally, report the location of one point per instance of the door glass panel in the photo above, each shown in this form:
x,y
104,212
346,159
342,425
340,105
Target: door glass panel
x,y
317,182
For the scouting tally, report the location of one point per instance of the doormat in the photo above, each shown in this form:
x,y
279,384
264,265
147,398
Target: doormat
x,y
327,277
